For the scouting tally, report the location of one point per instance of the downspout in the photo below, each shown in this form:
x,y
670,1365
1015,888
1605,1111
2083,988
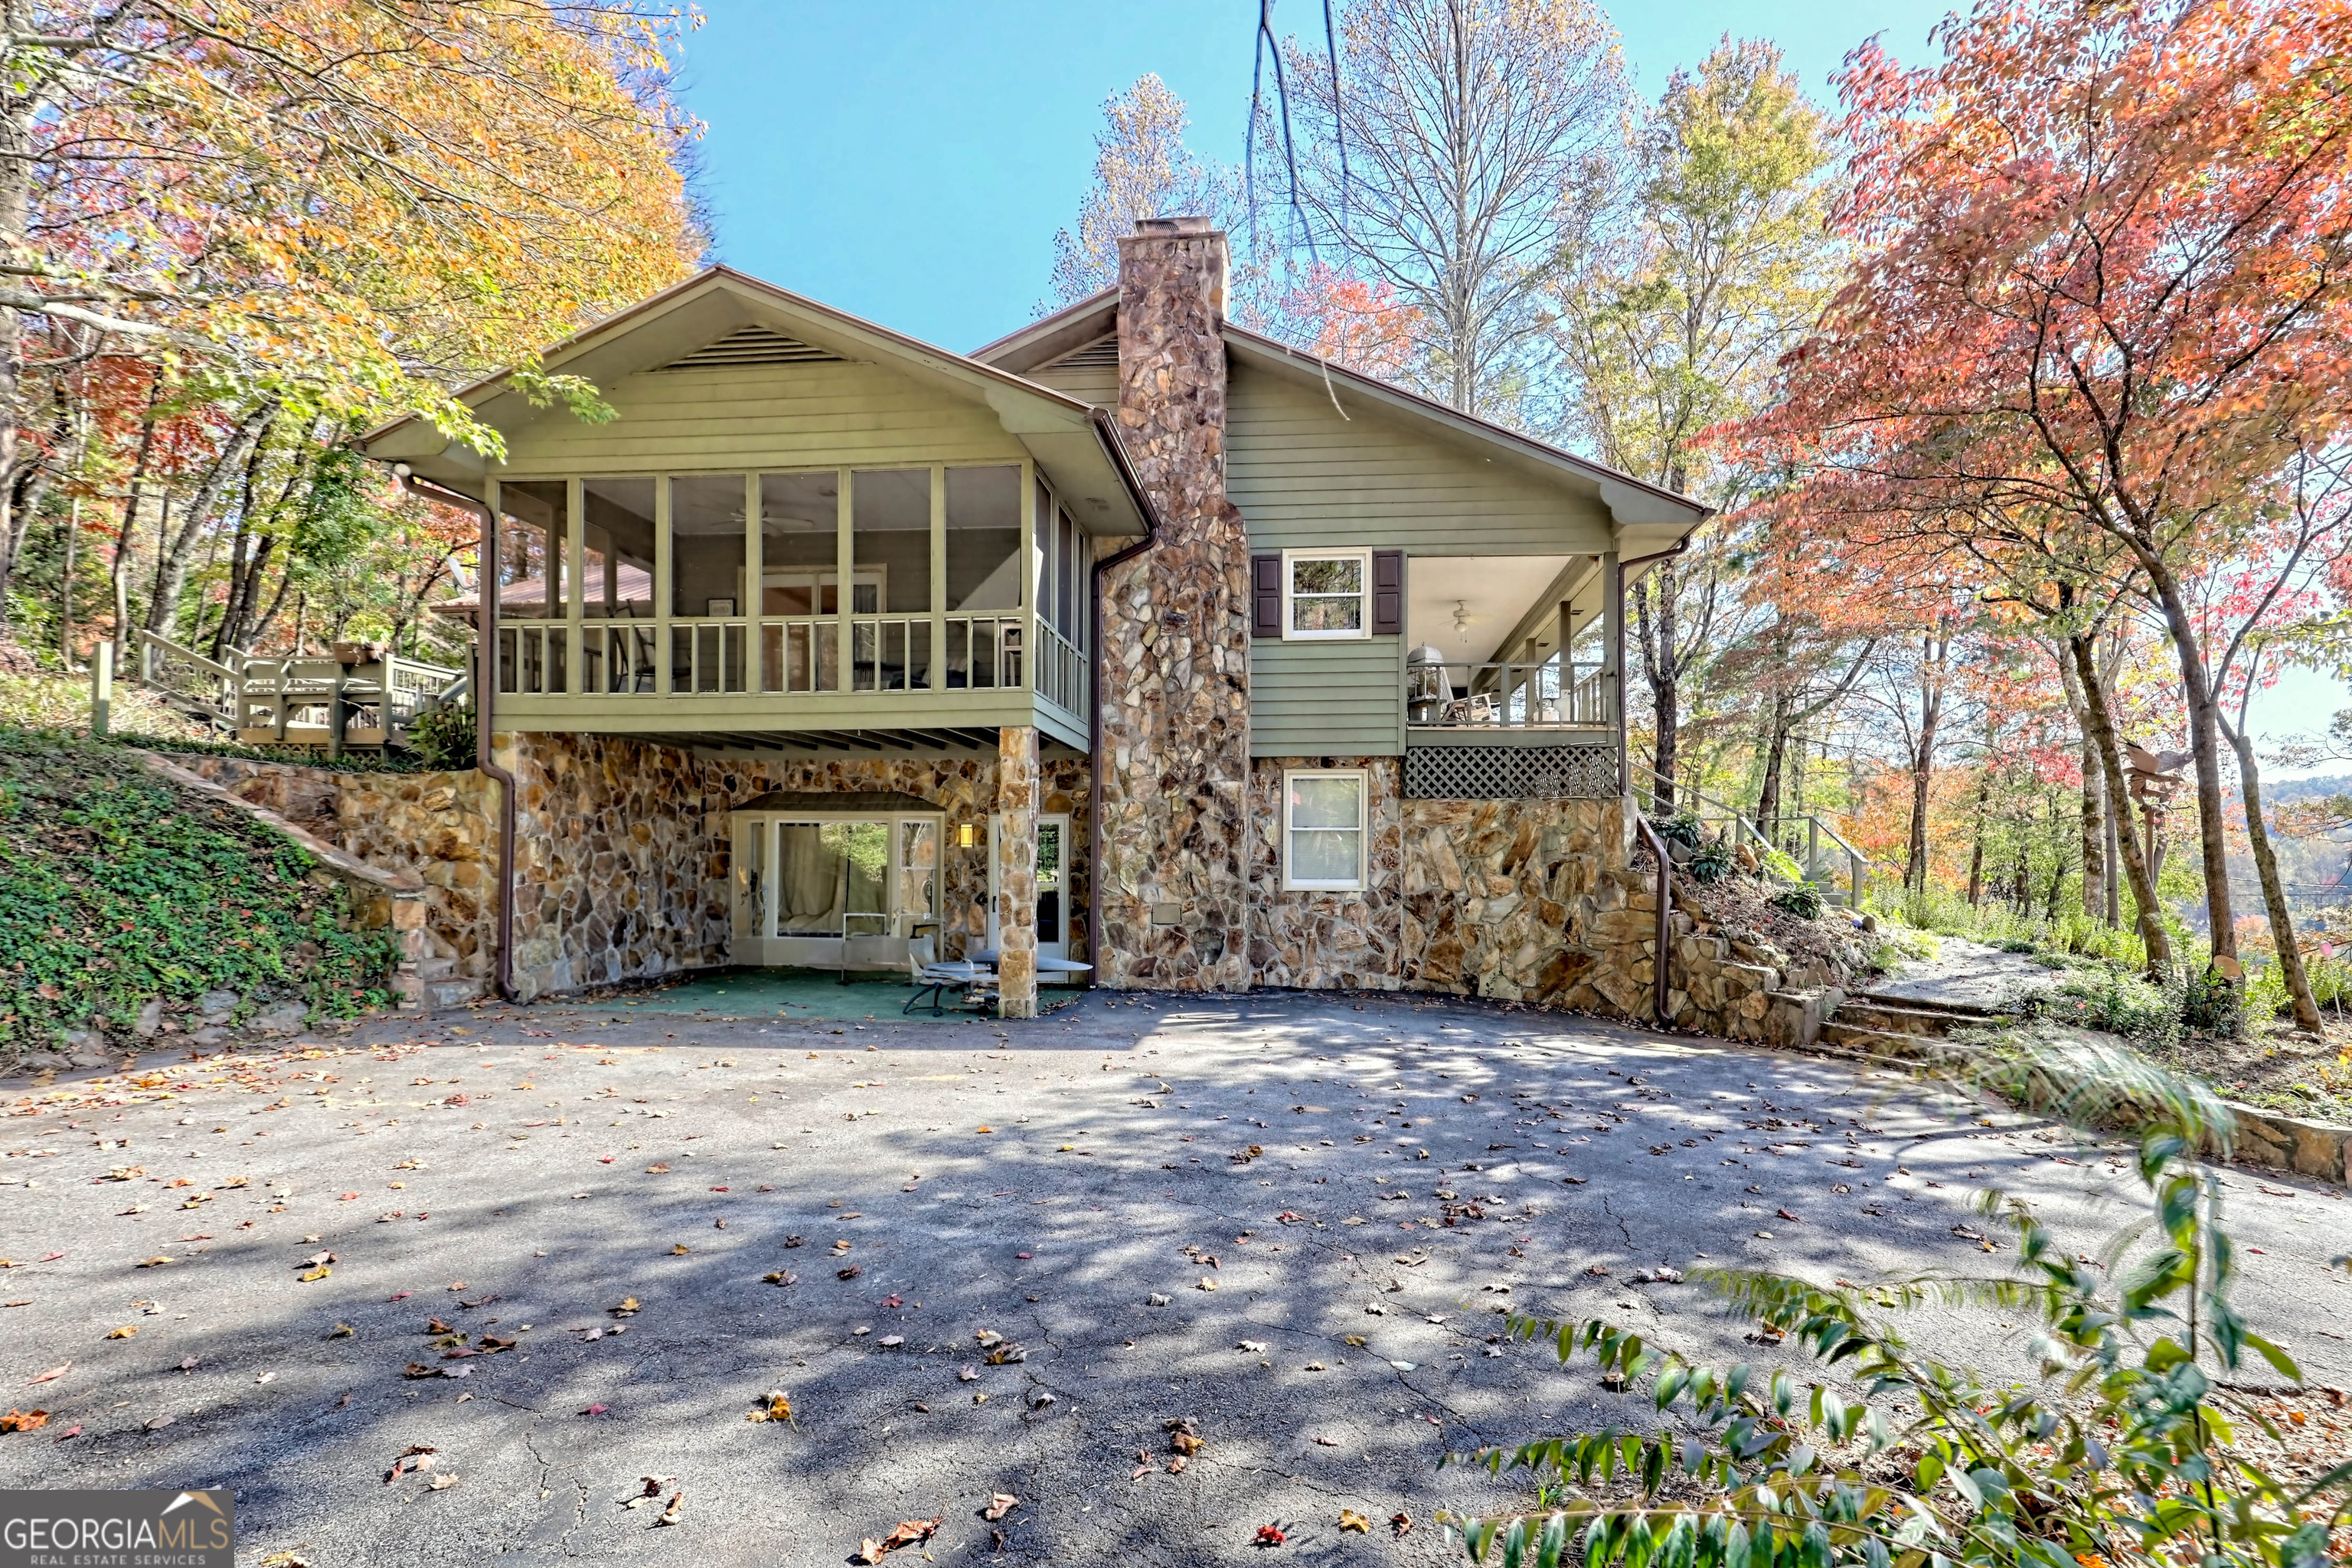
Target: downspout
x,y
1649,835
486,639
1109,434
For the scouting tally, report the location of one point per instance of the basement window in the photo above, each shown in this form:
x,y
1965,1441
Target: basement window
x,y
1323,821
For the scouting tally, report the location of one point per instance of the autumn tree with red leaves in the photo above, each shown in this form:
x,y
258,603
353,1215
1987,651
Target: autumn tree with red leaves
x,y
2104,281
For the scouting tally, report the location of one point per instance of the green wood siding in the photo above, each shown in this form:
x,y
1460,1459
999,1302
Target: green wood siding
x,y
1304,478
1327,698
765,416
1099,385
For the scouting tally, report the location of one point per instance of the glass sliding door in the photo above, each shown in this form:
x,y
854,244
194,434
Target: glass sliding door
x,y
832,891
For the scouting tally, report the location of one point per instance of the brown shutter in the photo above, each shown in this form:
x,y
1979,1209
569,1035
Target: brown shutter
x,y
1266,597
1388,593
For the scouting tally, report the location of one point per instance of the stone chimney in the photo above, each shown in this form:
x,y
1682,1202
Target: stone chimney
x,y
1174,724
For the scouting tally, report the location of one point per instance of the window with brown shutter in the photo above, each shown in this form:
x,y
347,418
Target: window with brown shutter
x,y
1266,597
1388,593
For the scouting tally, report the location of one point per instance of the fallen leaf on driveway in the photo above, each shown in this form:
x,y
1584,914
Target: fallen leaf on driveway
x,y
781,1276
777,1407
1254,1347
852,1272
416,1456
315,1259
669,1514
156,1424
680,1249
321,1272
51,1375
441,1482
124,1332
1784,1214
23,1420
1350,1520
596,1410
627,1308
72,1431
1401,1522
999,1505
967,1374
657,1170
907,1533
156,1262
1269,1535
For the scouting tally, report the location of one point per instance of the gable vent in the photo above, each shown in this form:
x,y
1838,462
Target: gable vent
x,y
1100,354
753,345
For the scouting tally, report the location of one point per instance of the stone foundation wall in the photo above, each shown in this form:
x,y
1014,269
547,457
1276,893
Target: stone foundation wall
x,y
1352,940
621,853
1534,901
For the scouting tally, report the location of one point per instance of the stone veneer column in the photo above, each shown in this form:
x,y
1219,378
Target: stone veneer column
x,y
1016,871
1172,886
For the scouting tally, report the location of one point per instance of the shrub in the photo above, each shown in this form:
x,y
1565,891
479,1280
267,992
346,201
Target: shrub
x,y
444,738
1711,862
2110,1002
1802,899
1681,828
2114,1448
1779,865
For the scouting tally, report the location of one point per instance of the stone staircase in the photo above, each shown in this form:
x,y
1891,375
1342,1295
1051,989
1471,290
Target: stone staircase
x,y
1876,1024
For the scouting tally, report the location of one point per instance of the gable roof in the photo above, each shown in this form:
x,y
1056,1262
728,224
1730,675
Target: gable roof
x,y
1660,514
721,316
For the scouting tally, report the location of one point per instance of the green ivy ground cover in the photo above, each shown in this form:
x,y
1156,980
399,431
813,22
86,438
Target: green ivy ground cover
x,y
117,888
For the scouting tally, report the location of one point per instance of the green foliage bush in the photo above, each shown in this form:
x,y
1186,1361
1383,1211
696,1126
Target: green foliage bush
x,y
443,739
1682,828
116,887
1711,862
1802,899
2116,1447
2114,1002
1780,865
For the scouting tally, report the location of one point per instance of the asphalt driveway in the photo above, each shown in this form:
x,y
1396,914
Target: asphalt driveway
x,y
977,1258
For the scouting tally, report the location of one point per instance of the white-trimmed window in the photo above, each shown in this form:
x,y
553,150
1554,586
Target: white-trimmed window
x,y
1327,594
1323,829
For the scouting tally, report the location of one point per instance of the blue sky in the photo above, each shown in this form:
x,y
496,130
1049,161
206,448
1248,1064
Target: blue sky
x,y
910,160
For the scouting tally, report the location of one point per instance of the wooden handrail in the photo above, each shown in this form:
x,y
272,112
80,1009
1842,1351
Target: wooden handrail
x,y
1665,912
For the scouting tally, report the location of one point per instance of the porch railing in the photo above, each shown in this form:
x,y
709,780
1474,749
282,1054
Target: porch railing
x,y
784,656
1531,696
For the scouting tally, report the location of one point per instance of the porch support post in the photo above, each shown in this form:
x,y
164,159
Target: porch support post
x,y
1612,610
1016,871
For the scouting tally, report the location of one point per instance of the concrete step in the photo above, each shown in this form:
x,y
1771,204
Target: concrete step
x,y
1900,1019
452,993
1841,1035
1966,1012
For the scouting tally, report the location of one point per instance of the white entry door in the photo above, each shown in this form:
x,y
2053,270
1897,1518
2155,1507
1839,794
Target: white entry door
x,y
1053,914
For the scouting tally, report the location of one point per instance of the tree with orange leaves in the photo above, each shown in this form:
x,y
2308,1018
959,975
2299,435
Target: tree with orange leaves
x,y
2105,283
341,210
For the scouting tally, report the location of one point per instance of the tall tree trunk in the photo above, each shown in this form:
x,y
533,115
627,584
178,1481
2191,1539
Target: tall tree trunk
x,y
2258,838
2093,812
1654,626
1976,845
118,572
1776,746
2204,749
174,546
17,172
1936,650
2158,946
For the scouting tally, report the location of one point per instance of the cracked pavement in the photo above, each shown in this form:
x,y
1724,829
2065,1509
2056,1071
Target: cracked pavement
x,y
1016,1310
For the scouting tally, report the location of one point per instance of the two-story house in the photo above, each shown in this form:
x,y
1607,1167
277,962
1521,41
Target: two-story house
x,y
1133,639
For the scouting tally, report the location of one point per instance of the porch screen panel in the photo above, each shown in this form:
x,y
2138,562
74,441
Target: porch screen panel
x,y
617,536
890,544
706,570
984,539
706,560
983,586
800,572
533,526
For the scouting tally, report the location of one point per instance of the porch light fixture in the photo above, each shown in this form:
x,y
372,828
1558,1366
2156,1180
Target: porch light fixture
x,y
966,835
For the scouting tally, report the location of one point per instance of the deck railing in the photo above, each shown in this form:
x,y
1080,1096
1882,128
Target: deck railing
x,y
791,654
297,699
1531,696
